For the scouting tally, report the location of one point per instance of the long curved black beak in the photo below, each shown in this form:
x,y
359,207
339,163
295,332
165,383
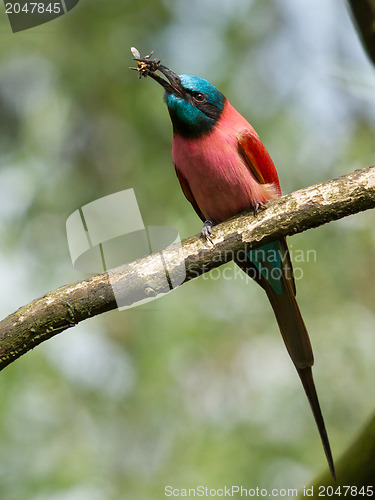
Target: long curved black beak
x,y
173,86
148,68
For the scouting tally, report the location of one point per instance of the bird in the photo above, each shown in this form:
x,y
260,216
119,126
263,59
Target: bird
x,y
223,169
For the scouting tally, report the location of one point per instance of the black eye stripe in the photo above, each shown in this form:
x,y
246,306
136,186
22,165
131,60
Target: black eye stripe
x,y
211,110
199,97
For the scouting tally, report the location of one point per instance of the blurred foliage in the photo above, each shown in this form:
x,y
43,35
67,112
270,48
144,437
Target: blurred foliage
x,y
196,387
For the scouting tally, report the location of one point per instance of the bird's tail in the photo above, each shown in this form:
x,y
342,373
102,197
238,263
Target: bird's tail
x,y
270,266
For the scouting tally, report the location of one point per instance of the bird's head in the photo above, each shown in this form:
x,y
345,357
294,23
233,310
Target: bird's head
x,y
194,104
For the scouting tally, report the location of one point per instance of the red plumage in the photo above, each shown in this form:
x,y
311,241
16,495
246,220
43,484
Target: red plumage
x,y
229,170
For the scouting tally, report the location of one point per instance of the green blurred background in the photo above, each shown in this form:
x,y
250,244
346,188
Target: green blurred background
x,y
196,387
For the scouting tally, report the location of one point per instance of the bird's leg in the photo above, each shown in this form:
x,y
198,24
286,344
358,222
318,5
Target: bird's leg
x,y
207,230
257,207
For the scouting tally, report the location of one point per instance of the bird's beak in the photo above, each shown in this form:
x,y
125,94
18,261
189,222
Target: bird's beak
x,y
146,67
173,85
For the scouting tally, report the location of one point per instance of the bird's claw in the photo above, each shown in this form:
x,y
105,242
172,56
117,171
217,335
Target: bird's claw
x,y
144,65
207,232
257,207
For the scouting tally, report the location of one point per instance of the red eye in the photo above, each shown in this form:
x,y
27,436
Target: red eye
x,y
199,97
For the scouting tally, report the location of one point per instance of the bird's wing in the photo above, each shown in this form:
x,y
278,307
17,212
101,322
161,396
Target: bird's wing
x,y
260,164
258,159
187,192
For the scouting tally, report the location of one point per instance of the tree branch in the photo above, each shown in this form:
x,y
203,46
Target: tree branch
x,y
68,305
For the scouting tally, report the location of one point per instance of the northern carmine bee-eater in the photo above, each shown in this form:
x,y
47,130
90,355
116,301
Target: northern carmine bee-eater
x,y
224,169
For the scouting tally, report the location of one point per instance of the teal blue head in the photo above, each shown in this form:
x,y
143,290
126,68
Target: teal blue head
x,y
194,104
198,107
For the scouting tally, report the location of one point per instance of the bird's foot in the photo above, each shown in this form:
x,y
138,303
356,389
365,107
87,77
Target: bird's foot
x,y
207,232
257,207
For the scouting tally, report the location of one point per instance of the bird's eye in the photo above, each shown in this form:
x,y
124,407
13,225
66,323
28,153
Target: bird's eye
x,y
199,97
